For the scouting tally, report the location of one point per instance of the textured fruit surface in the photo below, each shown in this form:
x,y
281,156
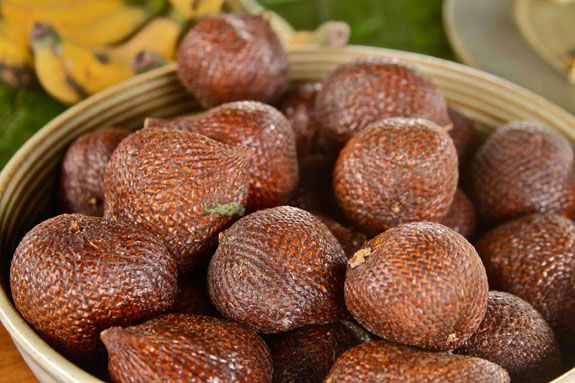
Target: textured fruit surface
x,y
370,89
516,337
276,270
461,134
306,354
298,107
380,361
420,284
232,58
82,178
522,168
263,129
461,215
396,171
179,185
192,297
73,276
533,257
350,239
187,348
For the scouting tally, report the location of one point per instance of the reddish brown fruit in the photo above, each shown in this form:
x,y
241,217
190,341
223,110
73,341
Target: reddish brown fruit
x,y
298,107
262,129
516,337
276,270
419,284
192,297
82,178
461,215
73,276
533,257
306,354
349,239
461,134
184,187
233,58
395,171
380,361
187,348
366,90
523,168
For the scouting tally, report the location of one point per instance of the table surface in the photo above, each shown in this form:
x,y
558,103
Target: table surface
x,y
12,366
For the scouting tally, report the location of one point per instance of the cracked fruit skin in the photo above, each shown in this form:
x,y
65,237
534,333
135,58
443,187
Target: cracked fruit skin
x,y
516,337
187,348
82,177
174,183
395,171
73,276
233,58
420,284
276,270
380,361
366,90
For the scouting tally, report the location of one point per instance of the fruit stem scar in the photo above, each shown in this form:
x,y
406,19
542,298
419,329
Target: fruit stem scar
x,y
359,257
74,227
226,209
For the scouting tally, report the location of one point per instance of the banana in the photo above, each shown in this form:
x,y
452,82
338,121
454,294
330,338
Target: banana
x,y
194,9
110,29
160,36
69,16
71,72
16,63
330,33
108,22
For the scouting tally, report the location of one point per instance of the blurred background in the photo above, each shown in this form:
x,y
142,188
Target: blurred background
x,y
411,25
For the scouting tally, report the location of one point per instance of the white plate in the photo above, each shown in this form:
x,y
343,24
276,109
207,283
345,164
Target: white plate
x,y
549,28
483,34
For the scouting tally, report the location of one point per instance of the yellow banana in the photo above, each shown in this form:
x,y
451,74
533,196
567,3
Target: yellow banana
x,y
160,36
194,9
16,64
331,34
109,29
71,72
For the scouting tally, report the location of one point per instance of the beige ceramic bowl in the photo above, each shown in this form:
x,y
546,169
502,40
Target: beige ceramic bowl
x,y
27,183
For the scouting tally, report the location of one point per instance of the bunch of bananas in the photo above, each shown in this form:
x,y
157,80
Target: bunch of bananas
x,y
75,48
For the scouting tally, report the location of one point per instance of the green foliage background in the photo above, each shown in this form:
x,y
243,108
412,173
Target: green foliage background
x,y
412,25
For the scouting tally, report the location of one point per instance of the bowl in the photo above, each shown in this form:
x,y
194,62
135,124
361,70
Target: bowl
x,y
28,182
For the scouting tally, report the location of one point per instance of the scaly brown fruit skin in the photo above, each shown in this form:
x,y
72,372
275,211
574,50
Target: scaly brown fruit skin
x,y
523,168
306,354
461,134
82,177
233,58
395,171
276,270
262,129
349,239
420,284
380,361
516,337
298,107
533,257
193,297
73,276
170,182
461,215
366,90
187,348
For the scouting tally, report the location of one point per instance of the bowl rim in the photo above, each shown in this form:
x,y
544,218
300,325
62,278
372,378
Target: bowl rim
x,y
44,355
